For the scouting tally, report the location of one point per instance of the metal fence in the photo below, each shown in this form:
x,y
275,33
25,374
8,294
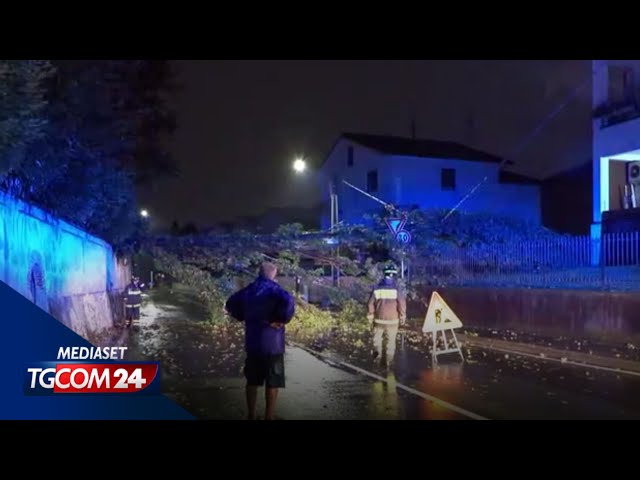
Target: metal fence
x,y
612,262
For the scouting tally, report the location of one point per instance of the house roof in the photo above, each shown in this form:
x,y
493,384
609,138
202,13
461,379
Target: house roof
x,y
511,177
421,148
576,173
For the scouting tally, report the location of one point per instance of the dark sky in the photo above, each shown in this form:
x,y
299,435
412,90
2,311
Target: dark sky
x,y
240,123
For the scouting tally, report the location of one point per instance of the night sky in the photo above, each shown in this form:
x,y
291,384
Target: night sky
x,y
241,123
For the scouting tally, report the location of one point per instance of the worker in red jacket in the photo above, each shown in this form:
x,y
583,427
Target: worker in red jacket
x,y
387,311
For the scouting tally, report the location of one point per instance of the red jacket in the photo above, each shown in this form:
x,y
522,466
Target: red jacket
x,y
387,303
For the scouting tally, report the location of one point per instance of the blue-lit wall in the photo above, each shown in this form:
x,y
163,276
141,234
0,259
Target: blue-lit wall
x,y
64,270
352,205
408,181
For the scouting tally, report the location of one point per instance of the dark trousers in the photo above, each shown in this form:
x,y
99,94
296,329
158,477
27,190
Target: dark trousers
x,y
132,313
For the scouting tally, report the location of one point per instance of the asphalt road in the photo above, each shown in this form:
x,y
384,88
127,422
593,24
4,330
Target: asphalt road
x,y
202,370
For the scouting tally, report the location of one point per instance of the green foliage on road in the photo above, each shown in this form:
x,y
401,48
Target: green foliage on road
x,y
210,292
310,322
217,265
213,287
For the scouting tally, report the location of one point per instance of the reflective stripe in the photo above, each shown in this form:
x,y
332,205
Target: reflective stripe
x,y
134,292
387,322
133,306
385,294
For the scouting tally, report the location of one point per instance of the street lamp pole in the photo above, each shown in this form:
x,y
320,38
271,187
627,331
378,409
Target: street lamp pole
x,y
334,206
299,166
333,196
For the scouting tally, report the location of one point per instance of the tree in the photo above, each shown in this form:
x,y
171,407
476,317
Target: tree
x,y
120,108
104,136
22,105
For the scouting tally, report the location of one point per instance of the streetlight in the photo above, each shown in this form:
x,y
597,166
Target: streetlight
x,y
144,213
299,165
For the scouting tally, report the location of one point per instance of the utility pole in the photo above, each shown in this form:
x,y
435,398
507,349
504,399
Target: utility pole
x,y
335,271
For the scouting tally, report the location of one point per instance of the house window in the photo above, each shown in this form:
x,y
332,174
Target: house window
x,y
448,179
350,157
372,181
620,84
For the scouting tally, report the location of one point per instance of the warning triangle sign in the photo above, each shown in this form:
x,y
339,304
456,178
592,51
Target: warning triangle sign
x,y
439,315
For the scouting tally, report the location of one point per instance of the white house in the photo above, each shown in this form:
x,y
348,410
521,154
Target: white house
x,y
422,173
616,132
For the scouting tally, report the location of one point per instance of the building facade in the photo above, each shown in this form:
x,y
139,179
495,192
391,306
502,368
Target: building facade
x,y
426,174
616,134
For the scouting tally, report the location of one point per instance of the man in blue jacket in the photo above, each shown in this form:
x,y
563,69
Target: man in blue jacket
x,y
265,308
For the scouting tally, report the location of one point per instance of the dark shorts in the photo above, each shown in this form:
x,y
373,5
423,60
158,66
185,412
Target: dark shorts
x,y
259,369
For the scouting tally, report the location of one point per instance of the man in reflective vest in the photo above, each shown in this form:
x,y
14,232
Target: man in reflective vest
x,y
387,310
132,301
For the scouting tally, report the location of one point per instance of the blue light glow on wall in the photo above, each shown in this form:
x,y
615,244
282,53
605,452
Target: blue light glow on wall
x,y
48,260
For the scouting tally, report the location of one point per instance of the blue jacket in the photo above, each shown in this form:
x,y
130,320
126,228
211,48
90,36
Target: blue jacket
x,y
257,305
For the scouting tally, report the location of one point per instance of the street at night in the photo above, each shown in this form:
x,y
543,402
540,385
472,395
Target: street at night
x,y
321,239
203,372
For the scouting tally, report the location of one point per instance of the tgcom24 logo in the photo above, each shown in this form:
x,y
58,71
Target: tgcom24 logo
x,y
91,370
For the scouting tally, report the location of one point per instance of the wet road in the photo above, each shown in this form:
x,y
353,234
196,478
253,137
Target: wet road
x,y
315,391
202,370
504,386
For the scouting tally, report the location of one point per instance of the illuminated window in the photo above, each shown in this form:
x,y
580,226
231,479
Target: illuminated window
x,y
448,179
372,181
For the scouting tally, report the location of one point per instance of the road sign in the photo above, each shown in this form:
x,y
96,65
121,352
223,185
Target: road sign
x,y
439,319
403,237
396,224
439,315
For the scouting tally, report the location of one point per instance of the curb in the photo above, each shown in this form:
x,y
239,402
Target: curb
x,y
618,365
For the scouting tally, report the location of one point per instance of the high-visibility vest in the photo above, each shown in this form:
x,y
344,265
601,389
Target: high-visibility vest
x,y
133,297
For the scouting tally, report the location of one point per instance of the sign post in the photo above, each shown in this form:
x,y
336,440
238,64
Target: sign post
x,y
440,318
